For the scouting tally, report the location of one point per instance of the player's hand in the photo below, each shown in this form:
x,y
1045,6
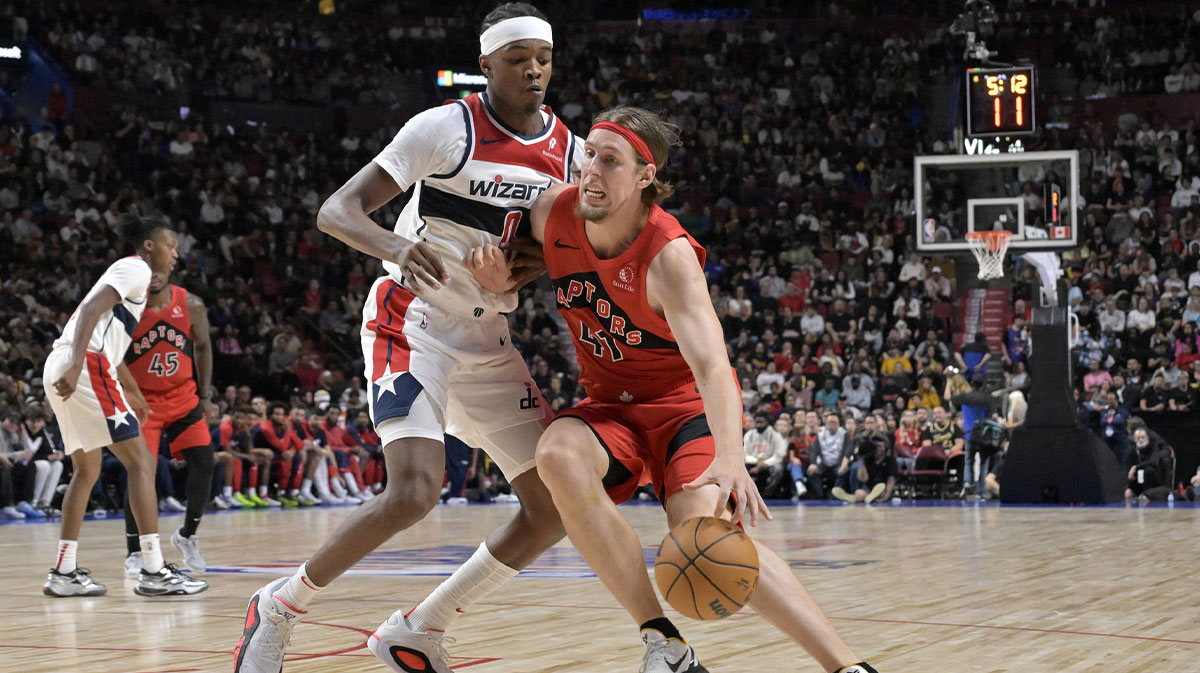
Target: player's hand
x,y
139,407
65,385
731,477
490,269
422,266
5,461
526,260
209,409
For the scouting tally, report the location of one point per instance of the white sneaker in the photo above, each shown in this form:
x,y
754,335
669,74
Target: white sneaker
x,y
271,502
268,630
189,547
404,650
219,503
506,497
307,493
232,501
170,504
352,500
133,566
333,500
168,582
456,501
668,655
366,494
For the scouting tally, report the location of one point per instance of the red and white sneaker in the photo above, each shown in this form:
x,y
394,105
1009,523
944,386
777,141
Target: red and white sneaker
x,y
268,630
404,650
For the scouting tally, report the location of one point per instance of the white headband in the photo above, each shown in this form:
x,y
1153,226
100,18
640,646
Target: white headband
x,y
511,30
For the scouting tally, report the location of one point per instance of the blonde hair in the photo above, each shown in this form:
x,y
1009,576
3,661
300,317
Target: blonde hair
x,y
1016,408
658,134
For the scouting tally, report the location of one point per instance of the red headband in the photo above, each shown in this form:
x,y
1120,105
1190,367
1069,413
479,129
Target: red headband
x,y
639,145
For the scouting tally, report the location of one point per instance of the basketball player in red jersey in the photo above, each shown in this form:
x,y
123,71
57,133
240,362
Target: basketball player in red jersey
x,y
435,343
661,395
170,358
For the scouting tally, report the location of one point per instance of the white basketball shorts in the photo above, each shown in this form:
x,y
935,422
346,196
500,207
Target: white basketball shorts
x,y
431,373
97,414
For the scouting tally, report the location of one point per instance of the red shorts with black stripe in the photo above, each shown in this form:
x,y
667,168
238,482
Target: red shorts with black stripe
x,y
177,420
665,442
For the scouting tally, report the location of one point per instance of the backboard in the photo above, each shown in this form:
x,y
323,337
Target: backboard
x,y
1031,194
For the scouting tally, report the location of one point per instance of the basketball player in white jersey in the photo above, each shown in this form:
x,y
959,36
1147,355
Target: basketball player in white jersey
x,y
88,395
436,343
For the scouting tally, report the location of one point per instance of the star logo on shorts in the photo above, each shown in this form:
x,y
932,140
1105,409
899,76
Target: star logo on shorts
x,y
626,397
119,418
387,381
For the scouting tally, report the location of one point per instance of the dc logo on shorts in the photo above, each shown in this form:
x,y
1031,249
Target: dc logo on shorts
x,y
529,401
478,312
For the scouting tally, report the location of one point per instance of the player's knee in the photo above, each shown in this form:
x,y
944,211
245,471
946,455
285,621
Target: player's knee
x,y
414,496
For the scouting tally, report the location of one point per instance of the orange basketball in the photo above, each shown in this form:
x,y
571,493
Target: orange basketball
x,y
706,568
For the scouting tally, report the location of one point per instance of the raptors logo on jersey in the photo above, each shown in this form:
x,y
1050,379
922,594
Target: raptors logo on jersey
x,y
626,351
160,356
478,191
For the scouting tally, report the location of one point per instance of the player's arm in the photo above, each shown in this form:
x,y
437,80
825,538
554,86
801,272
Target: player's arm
x,y
677,284
133,393
494,272
90,312
201,350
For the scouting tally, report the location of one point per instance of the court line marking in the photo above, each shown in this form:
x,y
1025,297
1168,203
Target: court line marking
x,y
1018,628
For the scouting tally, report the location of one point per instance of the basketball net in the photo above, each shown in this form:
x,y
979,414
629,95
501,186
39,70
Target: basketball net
x,y
989,248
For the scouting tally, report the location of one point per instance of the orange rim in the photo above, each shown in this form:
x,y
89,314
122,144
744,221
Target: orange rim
x,y
995,240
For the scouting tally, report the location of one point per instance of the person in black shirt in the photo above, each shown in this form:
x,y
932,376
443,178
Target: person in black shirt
x,y
876,472
1150,467
1154,397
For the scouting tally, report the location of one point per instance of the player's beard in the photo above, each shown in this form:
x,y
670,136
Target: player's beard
x,y
592,213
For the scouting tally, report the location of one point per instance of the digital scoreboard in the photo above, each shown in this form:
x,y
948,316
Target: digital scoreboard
x,y
1000,101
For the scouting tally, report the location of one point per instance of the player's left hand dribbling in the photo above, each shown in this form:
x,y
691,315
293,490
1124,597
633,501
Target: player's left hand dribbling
x,y
733,479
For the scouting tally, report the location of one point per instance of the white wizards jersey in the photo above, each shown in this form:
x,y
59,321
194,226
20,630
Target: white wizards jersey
x,y
130,277
476,180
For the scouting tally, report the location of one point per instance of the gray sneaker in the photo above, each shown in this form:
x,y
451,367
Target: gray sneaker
x,y
668,655
168,582
78,582
268,631
190,548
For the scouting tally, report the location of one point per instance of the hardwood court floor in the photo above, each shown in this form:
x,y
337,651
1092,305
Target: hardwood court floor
x,y
913,589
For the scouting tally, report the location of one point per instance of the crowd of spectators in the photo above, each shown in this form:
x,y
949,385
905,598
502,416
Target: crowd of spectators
x,y
795,173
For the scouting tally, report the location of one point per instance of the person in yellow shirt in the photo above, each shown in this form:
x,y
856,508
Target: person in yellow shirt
x,y
895,363
925,396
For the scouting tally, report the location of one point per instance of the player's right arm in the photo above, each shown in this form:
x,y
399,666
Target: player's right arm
x,y
91,310
431,143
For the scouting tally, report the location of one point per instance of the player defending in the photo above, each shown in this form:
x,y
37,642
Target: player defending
x,y
436,343
93,410
629,282
170,337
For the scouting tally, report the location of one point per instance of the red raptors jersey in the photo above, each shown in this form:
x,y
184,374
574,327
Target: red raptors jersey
x,y
160,357
626,351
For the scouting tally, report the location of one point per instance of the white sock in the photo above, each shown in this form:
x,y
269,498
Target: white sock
x,y
479,576
338,489
262,492
65,562
152,560
227,491
321,481
293,493
298,590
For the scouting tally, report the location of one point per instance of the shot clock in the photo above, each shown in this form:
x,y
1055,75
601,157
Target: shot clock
x,y
1000,101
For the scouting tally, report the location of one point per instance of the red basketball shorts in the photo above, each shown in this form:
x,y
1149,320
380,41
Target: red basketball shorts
x,y
179,420
664,442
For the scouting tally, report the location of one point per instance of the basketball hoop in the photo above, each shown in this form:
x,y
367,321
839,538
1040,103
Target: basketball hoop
x,y
989,248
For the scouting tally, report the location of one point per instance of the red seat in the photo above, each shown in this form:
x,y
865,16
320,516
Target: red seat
x,y
928,470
